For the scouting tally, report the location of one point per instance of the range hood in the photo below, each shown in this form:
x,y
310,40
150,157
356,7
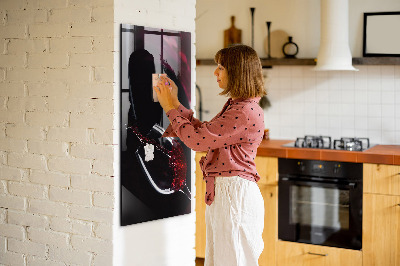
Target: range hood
x,y
334,51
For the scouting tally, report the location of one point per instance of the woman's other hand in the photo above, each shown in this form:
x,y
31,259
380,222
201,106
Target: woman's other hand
x,y
164,93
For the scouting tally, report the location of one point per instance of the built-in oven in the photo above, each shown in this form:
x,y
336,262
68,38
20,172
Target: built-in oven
x,y
320,202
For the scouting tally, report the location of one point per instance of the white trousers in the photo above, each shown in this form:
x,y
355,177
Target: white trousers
x,y
234,223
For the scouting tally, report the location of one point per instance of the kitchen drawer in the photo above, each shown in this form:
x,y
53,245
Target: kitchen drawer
x,y
298,254
381,179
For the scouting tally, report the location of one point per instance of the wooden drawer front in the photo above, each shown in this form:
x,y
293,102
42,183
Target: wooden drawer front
x,y
381,230
294,254
267,168
381,179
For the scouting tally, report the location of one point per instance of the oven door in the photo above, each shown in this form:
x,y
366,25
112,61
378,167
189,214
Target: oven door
x,y
321,212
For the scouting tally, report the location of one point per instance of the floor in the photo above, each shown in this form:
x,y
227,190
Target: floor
x,y
199,262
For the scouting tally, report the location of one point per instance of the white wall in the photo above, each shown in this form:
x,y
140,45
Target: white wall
x,y
168,241
338,104
299,18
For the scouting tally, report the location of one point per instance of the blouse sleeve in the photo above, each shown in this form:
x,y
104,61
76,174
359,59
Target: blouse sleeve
x,y
224,130
186,113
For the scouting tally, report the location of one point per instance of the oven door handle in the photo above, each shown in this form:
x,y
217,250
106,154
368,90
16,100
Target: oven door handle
x,y
330,184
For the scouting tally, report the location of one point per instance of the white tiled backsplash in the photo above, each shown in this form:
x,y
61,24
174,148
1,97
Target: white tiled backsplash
x,y
331,103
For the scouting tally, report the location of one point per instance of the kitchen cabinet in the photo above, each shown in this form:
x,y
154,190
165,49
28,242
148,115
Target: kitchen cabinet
x,y
270,233
299,254
267,168
381,230
200,209
381,215
381,179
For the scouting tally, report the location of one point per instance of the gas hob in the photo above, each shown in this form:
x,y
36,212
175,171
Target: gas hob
x,y
325,142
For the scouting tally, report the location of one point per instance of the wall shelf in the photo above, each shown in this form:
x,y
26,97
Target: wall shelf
x,y
288,62
312,61
376,61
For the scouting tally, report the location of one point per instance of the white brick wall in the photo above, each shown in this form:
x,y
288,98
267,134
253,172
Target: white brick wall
x,y
56,124
28,219
27,247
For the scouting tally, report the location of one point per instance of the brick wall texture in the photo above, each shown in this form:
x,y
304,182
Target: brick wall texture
x,y
56,132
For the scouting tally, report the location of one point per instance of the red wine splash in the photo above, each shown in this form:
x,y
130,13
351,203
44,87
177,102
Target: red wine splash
x,y
176,160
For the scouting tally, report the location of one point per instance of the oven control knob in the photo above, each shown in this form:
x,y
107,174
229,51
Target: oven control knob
x,y
302,167
336,169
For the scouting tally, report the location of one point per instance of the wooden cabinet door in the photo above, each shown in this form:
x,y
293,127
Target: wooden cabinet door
x,y
267,168
381,230
270,233
381,179
298,254
200,209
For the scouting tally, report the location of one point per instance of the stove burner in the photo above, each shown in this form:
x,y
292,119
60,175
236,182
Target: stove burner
x,y
324,142
308,141
351,144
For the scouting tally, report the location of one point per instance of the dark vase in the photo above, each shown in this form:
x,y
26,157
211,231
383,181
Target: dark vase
x,y
290,49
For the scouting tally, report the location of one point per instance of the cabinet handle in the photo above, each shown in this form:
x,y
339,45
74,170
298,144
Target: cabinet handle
x,y
398,204
318,254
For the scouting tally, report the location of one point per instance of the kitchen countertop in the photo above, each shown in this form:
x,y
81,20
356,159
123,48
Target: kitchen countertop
x,y
379,154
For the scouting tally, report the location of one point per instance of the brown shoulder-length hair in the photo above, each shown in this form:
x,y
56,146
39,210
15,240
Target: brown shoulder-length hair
x,y
245,78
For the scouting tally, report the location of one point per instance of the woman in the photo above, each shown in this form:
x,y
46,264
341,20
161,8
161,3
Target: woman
x,y
235,207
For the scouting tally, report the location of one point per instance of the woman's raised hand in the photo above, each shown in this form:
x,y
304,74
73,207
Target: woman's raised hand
x,y
174,89
165,93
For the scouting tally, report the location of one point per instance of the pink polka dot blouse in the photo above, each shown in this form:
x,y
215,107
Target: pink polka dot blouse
x,y
231,139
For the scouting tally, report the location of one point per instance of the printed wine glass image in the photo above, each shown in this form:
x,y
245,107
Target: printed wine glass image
x,y
155,170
